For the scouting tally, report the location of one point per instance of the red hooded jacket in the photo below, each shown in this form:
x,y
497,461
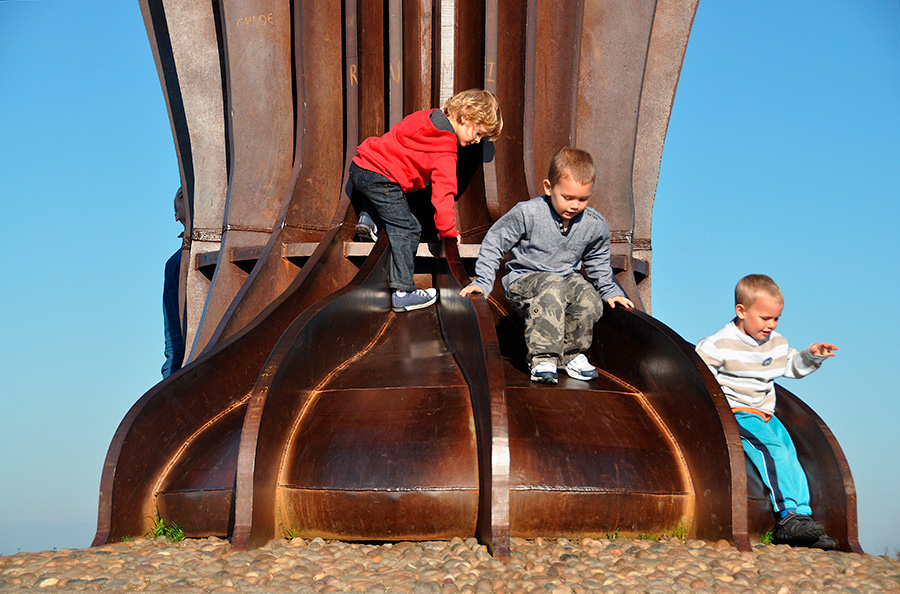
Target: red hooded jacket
x,y
412,153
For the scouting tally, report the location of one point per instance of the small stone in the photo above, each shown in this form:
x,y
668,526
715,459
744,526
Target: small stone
x,y
427,588
46,582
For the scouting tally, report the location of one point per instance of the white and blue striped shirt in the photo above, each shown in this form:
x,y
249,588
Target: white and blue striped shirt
x,y
747,369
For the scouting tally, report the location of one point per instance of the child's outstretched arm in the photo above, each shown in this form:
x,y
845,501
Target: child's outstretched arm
x,y
822,349
500,238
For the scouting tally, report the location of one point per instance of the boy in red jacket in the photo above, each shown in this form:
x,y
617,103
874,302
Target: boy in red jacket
x,y
418,150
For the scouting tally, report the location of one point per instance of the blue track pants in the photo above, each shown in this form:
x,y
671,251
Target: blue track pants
x,y
772,451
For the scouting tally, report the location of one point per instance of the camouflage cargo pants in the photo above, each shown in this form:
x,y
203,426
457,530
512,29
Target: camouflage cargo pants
x,y
560,313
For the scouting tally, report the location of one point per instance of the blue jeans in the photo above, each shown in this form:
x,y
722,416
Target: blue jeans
x,y
770,448
402,227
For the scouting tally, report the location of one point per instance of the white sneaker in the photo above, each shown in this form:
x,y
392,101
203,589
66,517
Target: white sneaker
x,y
544,372
579,368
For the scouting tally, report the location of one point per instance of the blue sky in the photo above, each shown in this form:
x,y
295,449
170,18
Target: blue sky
x,y
782,157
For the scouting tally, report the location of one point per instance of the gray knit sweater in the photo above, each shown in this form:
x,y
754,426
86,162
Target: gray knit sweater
x,y
531,233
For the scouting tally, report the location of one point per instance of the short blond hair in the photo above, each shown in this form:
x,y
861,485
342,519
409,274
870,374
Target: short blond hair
x,y
574,163
749,288
478,106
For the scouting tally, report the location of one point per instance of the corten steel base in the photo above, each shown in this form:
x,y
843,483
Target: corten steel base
x,y
310,408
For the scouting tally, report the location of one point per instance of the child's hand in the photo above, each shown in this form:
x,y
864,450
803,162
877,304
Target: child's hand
x,y
623,301
822,349
469,289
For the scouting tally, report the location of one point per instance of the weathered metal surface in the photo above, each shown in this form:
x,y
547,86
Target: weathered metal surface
x,y
682,393
554,65
314,188
370,74
615,37
508,179
315,410
257,43
668,43
344,424
418,39
177,421
468,329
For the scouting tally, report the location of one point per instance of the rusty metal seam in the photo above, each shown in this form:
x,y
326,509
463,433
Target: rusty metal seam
x,y
379,489
307,227
679,455
597,490
217,490
173,461
204,234
441,388
250,228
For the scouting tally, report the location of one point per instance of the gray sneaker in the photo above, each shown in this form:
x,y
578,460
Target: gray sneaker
x,y
408,301
366,229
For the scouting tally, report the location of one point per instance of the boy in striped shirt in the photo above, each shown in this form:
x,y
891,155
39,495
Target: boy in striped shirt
x,y
746,356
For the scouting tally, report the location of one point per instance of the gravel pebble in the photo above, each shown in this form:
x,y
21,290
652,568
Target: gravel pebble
x,y
542,566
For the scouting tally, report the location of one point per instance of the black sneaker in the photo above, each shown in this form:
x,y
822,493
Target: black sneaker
x,y
797,530
825,542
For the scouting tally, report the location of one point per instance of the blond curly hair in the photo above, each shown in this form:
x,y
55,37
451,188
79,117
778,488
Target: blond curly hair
x,y
479,107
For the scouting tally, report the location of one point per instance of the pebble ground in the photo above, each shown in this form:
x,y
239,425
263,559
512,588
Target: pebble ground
x,y
545,566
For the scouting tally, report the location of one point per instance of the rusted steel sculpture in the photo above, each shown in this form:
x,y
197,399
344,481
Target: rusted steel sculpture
x,y
308,407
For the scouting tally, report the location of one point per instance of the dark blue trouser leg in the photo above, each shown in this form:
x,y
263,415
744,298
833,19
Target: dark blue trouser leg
x,y
403,229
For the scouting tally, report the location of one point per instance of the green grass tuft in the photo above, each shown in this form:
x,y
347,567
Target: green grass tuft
x,y
680,531
170,530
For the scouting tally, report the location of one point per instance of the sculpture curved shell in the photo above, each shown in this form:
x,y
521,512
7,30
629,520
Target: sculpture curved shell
x,y
307,407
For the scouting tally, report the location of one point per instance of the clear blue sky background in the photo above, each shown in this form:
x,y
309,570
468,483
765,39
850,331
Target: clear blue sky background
x,y
782,157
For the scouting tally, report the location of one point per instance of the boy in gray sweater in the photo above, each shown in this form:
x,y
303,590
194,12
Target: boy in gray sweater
x,y
548,238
